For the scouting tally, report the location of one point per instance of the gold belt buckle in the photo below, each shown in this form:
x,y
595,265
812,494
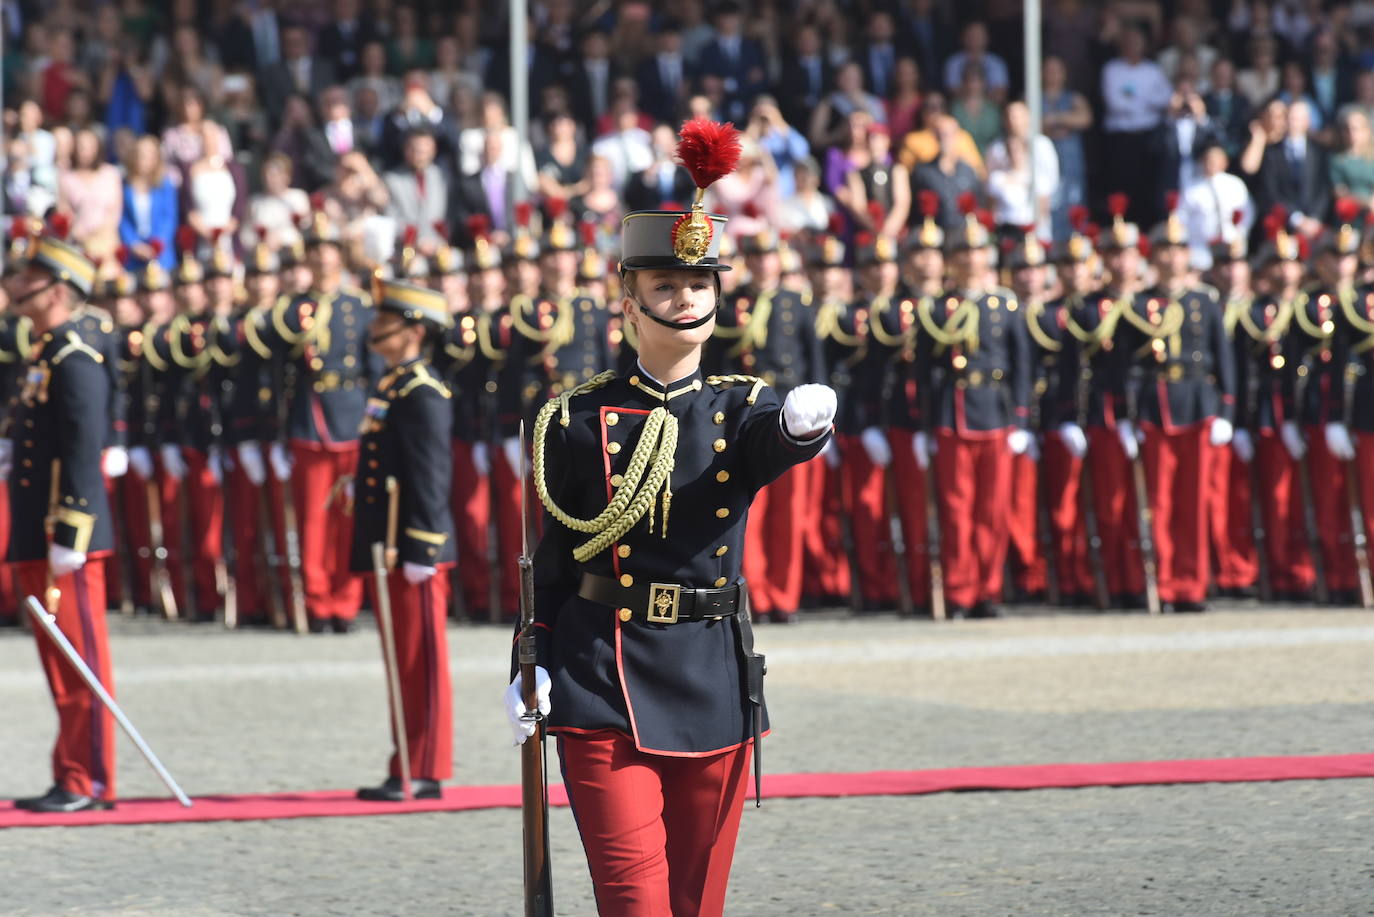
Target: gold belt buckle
x,y
663,603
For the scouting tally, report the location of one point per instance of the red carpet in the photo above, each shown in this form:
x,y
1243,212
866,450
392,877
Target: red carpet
x,y
777,786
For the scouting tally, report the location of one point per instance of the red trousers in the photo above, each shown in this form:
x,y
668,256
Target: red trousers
x,y
773,543
246,525
1177,469
1068,531
1113,496
1023,525
205,502
505,506
83,759
1332,507
9,594
326,530
659,831
133,501
973,485
826,566
115,575
1280,500
910,482
1230,520
418,616
865,497
471,519
1364,477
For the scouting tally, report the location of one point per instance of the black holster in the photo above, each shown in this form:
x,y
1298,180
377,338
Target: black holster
x,y
754,670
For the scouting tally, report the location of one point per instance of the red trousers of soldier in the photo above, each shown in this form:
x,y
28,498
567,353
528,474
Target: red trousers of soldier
x,y
1280,501
866,499
1113,500
505,507
1364,482
332,590
133,500
83,759
471,519
245,528
9,592
1063,473
1331,504
773,543
1023,526
418,617
826,567
659,831
202,500
1231,520
1177,469
910,481
973,484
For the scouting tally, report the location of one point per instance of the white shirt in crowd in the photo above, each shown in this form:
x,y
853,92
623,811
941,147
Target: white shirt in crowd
x,y
1207,207
1136,95
1010,191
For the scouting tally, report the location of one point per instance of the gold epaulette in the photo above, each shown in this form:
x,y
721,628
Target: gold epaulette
x,y
149,339
105,319
75,345
279,321
252,334
740,379
359,294
421,377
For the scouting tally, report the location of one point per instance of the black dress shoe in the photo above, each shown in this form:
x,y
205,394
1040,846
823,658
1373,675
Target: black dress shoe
x,y
319,625
58,800
343,625
958,612
778,616
1188,607
985,610
390,790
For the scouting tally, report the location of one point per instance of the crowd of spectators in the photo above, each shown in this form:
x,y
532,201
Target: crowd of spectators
x,y
237,116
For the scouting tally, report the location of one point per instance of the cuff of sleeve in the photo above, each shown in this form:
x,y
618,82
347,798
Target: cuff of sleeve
x,y
72,529
802,443
420,547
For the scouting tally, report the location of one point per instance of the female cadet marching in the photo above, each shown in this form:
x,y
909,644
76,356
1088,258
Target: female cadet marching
x,y
644,646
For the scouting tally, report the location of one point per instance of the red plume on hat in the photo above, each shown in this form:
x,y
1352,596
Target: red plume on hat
x,y
1078,217
1347,210
1144,246
877,214
317,201
1237,217
1117,204
588,232
186,239
478,225
555,207
523,212
751,210
1304,248
410,237
121,254
157,246
967,203
261,232
1170,201
441,229
60,225
708,150
928,202
1093,232
863,239
985,217
836,225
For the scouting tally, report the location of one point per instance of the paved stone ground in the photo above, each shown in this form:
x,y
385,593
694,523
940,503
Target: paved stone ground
x,y
253,712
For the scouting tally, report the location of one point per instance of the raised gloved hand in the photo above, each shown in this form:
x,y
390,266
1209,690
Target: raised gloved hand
x,y
1339,443
1222,432
1242,446
876,445
250,460
808,411
1019,441
6,458
281,462
522,728
172,462
924,446
115,462
1130,439
1074,439
141,461
481,459
416,574
64,560
214,463
511,448
1291,434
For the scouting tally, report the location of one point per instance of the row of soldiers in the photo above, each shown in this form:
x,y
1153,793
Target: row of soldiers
x,y
1108,428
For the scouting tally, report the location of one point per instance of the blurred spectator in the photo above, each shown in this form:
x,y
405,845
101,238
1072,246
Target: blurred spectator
x,y
562,162
148,219
1187,41
624,93
853,154
210,191
1136,95
1329,80
276,213
407,49
243,119
1260,80
298,71
628,148
903,104
489,190
1215,207
103,42
748,197
356,194
784,143
298,138
416,110
1352,169
1269,127
665,181
1040,152
806,76
975,112
592,78
1071,34
1180,140
449,76
1294,174
1065,118
927,36
1229,110
472,143
62,75
923,144
807,209
24,193
342,39
878,54
948,174
419,192
601,205
1293,88
184,143
880,182
974,55
1363,95
92,194
664,78
372,75
737,60
1014,207
830,121
42,147
188,64
335,136
125,88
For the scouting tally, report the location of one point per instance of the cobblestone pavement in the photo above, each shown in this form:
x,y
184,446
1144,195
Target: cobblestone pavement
x,y
257,712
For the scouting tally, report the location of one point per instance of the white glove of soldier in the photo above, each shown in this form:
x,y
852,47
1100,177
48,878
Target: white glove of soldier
x,y
924,447
1243,446
1222,432
115,462
876,445
1339,443
64,560
214,463
172,462
141,461
416,574
1292,439
281,462
1019,441
511,449
809,410
481,459
250,460
1074,439
521,728
6,458
831,454
1130,440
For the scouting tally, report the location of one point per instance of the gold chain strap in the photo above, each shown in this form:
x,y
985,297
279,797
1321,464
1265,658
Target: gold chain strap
x,y
960,330
1034,310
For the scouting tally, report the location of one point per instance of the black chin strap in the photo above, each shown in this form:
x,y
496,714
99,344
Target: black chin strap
x,y
32,293
676,326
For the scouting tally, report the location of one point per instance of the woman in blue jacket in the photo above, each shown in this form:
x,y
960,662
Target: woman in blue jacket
x,y
149,222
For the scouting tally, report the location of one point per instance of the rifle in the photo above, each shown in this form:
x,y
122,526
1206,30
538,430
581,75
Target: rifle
x,y
1352,493
1258,534
269,560
937,569
226,565
856,600
905,601
1309,509
295,579
534,787
383,561
1086,501
1043,536
1144,515
162,577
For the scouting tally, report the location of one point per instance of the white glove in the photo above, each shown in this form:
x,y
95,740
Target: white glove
x,y
924,447
1292,439
809,410
214,463
115,462
1243,446
141,461
831,454
511,449
250,460
6,458
1074,439
481,459
172,462
1130,440
1019,441
64,560
281,462
876,445
1339,443
1222,432
521,728
416,574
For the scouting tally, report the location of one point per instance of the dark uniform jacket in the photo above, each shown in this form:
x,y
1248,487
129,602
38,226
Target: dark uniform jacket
x,y
770,334
677,688
1092,378
1263,378
556,344
14,350
842,329
176,353
1315,387
254,377
97,328
1182,364
469,359
406,433
884,387
974,361
61,414
1353,358
1046,325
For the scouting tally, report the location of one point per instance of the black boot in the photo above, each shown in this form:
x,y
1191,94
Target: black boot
x,y
59,800
390,790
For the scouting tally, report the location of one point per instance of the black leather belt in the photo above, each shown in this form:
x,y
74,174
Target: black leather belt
x,y
661,603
